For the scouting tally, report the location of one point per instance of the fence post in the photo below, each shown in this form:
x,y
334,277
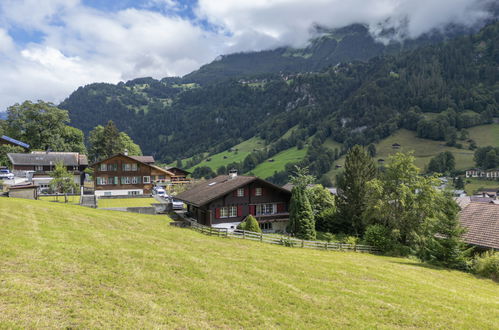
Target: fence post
x,y
302,243
261,237
244,236
326,246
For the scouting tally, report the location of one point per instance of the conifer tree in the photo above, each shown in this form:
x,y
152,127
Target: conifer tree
x,y
301,216
352,197
250,224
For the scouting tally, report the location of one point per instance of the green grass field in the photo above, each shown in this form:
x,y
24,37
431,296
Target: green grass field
x,y
125,202
485,135
60,199
244,149
291,155
473,184
66,266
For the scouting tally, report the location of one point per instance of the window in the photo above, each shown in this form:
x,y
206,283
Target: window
x,y
107,193
265,209
133,192
102,180
103,167
224,212
134,167
116,180
135,179
266,226
240,192
258,191
39,168
147,179
233,212
129,167
125,180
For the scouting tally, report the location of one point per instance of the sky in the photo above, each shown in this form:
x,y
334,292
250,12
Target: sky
x,y
48,48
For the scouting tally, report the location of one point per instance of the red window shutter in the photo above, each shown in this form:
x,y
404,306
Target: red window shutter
x,y
280,207
240,211
217,213
263,191
252,209
246,191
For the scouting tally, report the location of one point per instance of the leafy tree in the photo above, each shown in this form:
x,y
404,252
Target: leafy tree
x,y
301,216
487,157
222,170
203,172
371,149
301,177
443,163
324,207
459,183
62,181
4,150
108,141
250,224
43,126
352,194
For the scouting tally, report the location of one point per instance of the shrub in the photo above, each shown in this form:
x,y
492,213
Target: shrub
x,y
250,224
487,265
379,237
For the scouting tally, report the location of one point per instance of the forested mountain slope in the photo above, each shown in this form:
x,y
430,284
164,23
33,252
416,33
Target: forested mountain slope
x,y
434,90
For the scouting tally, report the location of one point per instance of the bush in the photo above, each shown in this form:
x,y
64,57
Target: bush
x,y
250,224
487,265
379,237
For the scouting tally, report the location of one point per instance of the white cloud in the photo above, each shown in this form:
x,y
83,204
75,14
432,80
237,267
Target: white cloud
x,y
81,45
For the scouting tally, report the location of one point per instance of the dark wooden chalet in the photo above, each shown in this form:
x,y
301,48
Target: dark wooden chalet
x,y
127,175
179,175
227,200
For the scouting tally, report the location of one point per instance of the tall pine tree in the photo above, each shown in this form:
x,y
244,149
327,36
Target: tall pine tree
x,y
301,216
352,196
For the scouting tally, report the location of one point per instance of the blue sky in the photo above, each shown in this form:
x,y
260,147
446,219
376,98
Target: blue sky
x,y
48,48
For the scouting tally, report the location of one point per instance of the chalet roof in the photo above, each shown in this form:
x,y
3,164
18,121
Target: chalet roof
x,y
162,170
178,169
481,221
144,159
210,190
14,141
47,158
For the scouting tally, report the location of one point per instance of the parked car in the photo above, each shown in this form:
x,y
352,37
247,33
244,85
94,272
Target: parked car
x,y
6,174
176,204
160,192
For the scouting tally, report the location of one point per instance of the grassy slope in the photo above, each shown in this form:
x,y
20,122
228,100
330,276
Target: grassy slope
x,y
425,149
473,185
291,155
125,202
68,266
60,199
244,149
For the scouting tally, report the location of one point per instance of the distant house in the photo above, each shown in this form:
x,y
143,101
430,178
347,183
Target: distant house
x,y
225,201
27,191
396,146
179,175
37,166
478,173
481,221
4,139
127,175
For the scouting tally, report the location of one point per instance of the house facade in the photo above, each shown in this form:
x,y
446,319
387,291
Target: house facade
x,y
179,175
37,165
127,175
486,174
226,201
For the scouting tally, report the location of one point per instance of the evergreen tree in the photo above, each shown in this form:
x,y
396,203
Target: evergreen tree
x,y
250,224
352,195
371,149
301,216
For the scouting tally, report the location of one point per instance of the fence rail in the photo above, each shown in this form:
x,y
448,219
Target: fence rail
x,y
280,240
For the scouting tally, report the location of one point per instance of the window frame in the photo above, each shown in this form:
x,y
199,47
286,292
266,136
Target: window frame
x,y
232,212
258,191
146,181
224,212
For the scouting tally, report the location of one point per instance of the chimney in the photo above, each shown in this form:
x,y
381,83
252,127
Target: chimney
x,y
232,173
125,152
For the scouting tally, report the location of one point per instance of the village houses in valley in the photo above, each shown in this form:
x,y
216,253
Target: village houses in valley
x,y
226,200
128,175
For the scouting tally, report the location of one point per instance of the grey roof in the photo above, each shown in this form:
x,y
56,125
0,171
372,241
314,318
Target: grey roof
x,y
481,221
50,158
211,189
144,159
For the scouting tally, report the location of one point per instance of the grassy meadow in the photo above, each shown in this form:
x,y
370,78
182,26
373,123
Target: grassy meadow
x,y
60,199
66,266
125,202
472,185
291,155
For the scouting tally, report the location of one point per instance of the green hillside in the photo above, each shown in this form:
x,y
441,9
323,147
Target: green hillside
x,y
279,161
425,149
64,266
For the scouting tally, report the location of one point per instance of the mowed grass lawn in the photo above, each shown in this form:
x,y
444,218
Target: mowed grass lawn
x,y
68,266
291,155
60,199
125,202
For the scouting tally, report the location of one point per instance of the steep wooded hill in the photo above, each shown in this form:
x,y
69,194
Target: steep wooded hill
x,y
434,90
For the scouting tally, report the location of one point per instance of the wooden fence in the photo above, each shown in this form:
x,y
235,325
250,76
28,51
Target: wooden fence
x,y
280,239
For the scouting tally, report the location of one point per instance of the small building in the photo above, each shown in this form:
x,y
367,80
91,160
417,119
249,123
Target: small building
x,y
486,174
6,140
26,191
37,165
226,200
127,175
481,221
396,146
179,175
